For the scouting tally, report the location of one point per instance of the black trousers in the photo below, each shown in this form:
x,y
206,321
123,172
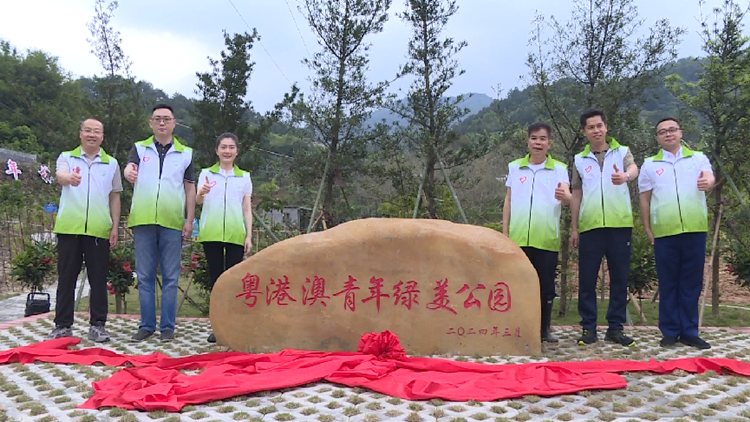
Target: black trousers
x,y
221,256
614,243
545,264
72,250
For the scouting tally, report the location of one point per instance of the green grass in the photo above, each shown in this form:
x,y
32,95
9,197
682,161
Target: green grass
x,y
728,317
131,298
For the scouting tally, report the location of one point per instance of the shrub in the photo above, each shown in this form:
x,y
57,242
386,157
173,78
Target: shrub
x,y
34,266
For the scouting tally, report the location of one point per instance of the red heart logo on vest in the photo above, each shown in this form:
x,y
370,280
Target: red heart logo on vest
x,y
145,159
660,171
523,179
588,169
212,184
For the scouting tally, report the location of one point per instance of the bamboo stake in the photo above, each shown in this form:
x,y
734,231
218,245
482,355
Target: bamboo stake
x,y
704,290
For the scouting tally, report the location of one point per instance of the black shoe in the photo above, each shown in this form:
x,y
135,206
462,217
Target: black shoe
x,y
166,335
588,337
668,341
696,342
617,336
212,338
547,337
142,334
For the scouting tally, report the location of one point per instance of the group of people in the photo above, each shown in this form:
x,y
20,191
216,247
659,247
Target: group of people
x,y
672,186
672,203
161,216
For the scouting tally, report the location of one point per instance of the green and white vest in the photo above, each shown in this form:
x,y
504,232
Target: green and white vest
x,y
221,218
604,204
534,211
160,199
84,209
677,206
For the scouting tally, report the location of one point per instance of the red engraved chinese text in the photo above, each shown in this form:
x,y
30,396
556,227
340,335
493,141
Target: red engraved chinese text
x,y
316,291
471,300
280,294
349,299
376,287
408,296
250,289
499,299
441,298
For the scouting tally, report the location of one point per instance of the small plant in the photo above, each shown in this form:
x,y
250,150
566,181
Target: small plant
x,y
34,266
198,267
120,274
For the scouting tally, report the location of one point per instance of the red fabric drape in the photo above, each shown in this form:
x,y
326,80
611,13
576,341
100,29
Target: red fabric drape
x,y
154,382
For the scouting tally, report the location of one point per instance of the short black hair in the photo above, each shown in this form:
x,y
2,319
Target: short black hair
x,y
226,135
90,118
162,105
667,119
537,127
592,113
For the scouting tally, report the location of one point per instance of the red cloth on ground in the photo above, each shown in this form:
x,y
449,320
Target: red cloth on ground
x,y
154,383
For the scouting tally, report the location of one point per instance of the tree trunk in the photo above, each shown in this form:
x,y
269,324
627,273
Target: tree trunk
x,y
118,303
328,198
429,188
717,256
564,257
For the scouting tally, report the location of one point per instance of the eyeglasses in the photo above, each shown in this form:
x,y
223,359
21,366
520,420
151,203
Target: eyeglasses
x,y
162,119
669,130
95,131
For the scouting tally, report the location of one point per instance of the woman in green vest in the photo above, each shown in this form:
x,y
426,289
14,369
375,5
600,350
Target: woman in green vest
x,y
226,220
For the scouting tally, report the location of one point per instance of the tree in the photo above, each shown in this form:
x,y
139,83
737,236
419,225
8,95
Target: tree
x,y
430,115
35,92
721,98
341,98
115,98
223,107
19,138
595,60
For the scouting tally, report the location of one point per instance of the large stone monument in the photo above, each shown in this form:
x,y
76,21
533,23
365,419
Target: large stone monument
x,y
443,288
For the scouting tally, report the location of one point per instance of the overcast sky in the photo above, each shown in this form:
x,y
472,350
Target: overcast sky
x,y
169,40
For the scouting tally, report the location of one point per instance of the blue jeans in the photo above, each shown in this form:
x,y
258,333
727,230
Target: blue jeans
x,y
679,266
157,245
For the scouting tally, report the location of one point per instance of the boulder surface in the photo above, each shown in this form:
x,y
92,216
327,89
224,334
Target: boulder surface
x,y
442,287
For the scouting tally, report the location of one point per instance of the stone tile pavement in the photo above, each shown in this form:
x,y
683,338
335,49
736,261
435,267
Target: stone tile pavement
x,y
13,308
47,392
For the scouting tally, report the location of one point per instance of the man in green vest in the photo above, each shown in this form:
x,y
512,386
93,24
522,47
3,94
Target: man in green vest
x,y
161,215
86,228
537,190
673,209
602,214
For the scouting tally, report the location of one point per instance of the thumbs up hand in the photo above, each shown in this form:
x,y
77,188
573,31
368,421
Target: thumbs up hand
x,y
205,189
75,177
131,172
704,182
619,177
562,193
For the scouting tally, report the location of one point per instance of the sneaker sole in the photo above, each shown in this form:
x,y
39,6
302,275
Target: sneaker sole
x,y
624,345
583,343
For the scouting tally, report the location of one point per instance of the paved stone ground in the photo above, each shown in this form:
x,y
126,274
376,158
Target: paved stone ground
x,y
13,308
47,392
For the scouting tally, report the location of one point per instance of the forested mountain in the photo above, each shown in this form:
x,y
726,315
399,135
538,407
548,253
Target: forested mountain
x,y
475,102
519,107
